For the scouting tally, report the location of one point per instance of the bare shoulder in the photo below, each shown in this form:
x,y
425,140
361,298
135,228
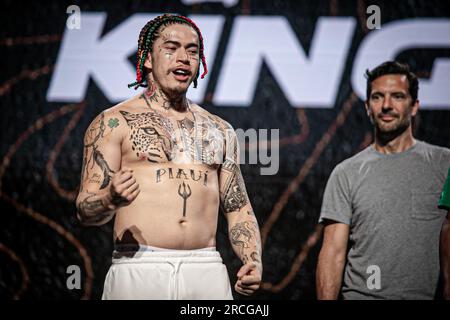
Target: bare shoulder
x,y
109,123
114,116
218,121
129,105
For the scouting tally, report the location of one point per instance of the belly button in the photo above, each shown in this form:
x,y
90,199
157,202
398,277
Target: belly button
x,y
183,221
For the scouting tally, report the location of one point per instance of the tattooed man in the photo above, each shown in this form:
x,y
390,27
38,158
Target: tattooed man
x,y
162,166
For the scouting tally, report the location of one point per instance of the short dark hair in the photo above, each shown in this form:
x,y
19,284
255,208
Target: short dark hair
x,y
393,67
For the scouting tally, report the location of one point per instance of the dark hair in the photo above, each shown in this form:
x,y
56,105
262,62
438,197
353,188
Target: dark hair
x,y
149,34
393,67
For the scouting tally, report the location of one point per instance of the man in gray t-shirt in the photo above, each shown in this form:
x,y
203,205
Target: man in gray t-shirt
x,y
382,224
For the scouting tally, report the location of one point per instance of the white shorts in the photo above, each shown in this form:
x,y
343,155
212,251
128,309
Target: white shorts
x,y
162,274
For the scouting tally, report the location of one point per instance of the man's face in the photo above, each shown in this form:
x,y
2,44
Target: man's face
x,y
390,106
175,58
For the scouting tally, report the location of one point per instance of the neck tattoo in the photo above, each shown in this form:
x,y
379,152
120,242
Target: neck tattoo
x,y
145,95
146,100
164,105
151,95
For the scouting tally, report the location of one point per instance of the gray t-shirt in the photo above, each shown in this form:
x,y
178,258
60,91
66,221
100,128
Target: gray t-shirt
x,y
390,203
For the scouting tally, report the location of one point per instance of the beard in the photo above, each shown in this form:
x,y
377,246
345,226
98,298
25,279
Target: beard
x,y
388,131
173,89
177,90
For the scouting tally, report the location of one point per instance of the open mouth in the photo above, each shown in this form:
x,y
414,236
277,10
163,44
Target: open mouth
x,y
181,74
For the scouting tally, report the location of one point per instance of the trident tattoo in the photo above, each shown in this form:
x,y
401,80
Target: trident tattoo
x,y
185,194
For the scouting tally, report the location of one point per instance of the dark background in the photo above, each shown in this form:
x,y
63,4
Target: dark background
x,y
41,148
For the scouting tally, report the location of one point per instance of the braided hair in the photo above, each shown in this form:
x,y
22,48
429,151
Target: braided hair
x,y
148,36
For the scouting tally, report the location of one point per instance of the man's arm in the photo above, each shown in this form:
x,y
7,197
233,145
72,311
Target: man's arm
x,y
104,185
445,255
243,227
331,260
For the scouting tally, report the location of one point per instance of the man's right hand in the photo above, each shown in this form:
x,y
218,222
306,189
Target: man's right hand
x,y
124,188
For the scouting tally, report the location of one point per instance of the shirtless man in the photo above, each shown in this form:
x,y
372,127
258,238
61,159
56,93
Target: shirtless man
x,y
162,166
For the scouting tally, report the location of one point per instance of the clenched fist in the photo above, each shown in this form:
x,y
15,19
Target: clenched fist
x,y
249,279
124,188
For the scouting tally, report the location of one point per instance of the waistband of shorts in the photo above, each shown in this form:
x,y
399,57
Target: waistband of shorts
x,y
149,254
143,247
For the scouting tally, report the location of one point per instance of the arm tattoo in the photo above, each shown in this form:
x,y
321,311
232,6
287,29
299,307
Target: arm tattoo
x,y
233,192
241,234
83,166
95,178
92,155
246,241
95,131
101,162
90,206
232,189
93,209
254,256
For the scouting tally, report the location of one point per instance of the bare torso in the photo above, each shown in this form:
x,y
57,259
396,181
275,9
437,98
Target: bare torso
x,y
176,212
176,166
